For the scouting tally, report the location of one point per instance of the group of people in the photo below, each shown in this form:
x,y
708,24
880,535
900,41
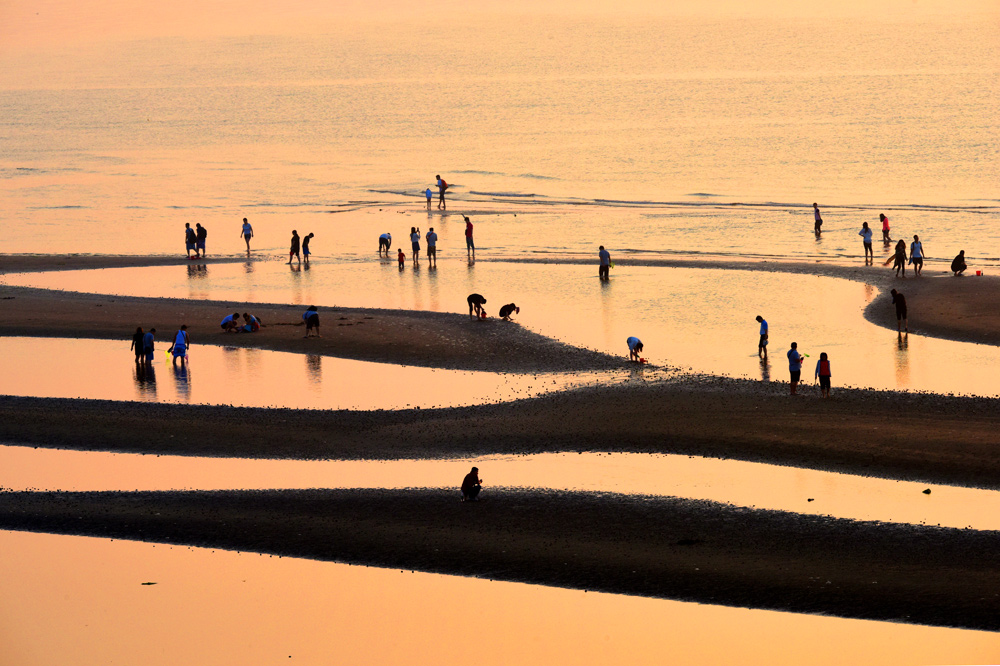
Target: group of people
x,y
194,240
249,323
385,243
795,360
293,252
477,311
143,344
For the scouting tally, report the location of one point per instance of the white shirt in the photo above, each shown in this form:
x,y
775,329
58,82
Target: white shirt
x,y
867,234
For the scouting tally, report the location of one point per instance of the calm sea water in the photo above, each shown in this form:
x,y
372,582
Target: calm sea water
x,y
667,135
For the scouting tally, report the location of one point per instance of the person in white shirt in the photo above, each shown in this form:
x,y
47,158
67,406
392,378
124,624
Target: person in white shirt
x,y
866,236
762,343
917,255
247,233
818,226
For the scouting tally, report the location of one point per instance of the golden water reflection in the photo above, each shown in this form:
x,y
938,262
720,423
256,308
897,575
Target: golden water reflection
x,y
83,601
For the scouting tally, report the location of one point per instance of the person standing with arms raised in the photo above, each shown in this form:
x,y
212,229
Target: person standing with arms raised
x,y
470,245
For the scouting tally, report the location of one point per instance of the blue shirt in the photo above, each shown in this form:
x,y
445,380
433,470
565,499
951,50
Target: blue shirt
x,y
309,313
605,258
763,326
147,342
431,237
867,234
794,360
228,319
633,342
428,193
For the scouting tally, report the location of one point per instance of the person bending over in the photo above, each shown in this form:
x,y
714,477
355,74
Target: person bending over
x,y
231,324
311,318
634,348
476,303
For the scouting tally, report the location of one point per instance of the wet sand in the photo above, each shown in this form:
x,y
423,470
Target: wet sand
x,y
656,547
647,546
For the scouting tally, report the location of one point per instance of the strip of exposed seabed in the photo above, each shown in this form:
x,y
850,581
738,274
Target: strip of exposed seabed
x,y
660,547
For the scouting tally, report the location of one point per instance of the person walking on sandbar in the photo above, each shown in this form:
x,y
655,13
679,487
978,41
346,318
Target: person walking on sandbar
x,y
917,255
293,251
442,186
866,237
201,235
762,343
900,302
476,303
190,240
247,233
899,257
603,272
794,366
823,374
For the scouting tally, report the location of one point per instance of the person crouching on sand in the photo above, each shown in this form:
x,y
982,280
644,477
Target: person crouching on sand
x,y
509,309
958,264
231,324
311,318
471,485
634,348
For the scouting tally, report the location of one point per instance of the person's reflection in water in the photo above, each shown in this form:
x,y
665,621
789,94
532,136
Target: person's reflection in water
x,y
248,266
902,360
145,381
765,369
182,379
197,271
296,268
314,369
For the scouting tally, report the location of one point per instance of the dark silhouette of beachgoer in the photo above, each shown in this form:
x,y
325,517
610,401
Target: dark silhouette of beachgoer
x,y
293,251
470,246
634,348
231,324
471,486
958,264
384,241
311,318
201,234
415,243
885,228
917,255
401,258
190,240
442,186
147,345
900,302
305,246
823,374
866,237
252,323
509,309
181,344
818,220
604,270
899,258
794,366
476,303
137,343
247,233
762,343
429,196
432,254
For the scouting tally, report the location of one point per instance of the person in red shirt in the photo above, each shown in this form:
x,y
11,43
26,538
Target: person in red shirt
x,y
823,374
470,246
471,485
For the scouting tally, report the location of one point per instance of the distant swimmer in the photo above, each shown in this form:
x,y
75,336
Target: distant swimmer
x,y
605,267
818,220
900,302
429,196
866,237
471,485
470,246
476,303
247,233
634,348
293,251
432,255
885,228
190,241
762,343
795,366
442,186
509,309
823,374
201,235
415,243
311,318
181,344
958,264
231,324
384,242
917,255
305,246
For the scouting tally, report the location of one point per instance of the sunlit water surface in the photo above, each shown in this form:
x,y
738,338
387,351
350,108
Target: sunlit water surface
x,y
89,602
697,319
727,481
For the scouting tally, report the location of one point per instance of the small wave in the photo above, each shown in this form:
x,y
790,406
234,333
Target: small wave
x,y
537,176
193,207
481,173
703,194
270,204
502,194
55,207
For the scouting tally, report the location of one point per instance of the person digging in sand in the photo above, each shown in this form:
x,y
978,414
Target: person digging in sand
x,y
507,310
634,348
476,303
311,318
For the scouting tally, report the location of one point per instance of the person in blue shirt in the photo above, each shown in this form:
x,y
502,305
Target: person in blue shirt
x,y
190,240
866,237
634,348
432,239
605,263
384,242
311,318
429,196
231,324
762,343
180,346
147,345
795,366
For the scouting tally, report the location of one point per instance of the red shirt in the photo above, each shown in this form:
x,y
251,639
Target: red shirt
x,y
468,229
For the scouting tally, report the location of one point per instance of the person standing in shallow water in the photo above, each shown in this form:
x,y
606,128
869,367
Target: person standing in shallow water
x,y
147,345
899,258
415,244
432,239
900,302
247,233
471,485
137,345
762,343
201,235
817,220
917,255
866,238
442,186
603,272
885,228
293,251
190,240
305,246
470,246
794,366
823,374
